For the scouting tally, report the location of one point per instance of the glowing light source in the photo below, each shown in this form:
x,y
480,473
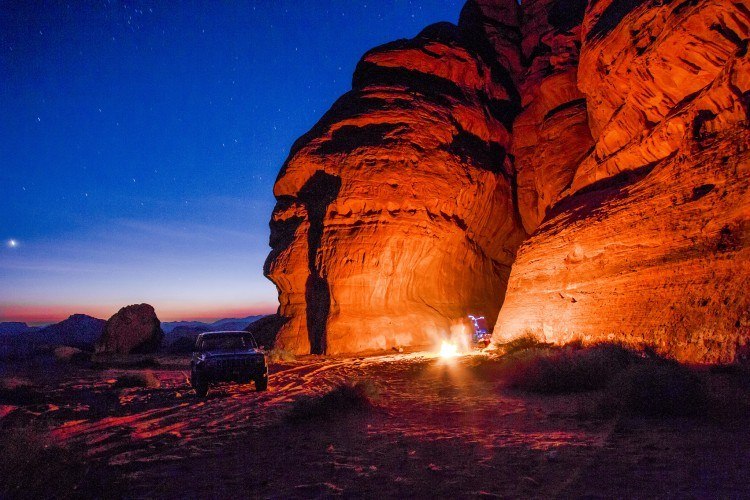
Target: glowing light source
x,y
12,243
448,350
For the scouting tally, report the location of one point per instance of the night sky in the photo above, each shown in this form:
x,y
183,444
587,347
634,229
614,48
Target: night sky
x,y
139,143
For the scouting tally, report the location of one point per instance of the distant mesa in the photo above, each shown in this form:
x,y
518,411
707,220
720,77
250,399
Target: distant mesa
x,y
79,331
221,324
20,341
180,335
16,327
134,329
265,329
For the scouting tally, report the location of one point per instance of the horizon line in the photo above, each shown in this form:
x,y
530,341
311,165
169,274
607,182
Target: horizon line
x,y
44,315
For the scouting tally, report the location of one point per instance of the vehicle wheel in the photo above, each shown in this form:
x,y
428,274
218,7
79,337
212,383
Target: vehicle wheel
x,y
261,384
199,385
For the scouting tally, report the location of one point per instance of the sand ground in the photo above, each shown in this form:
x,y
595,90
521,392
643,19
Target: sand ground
x,y
439,429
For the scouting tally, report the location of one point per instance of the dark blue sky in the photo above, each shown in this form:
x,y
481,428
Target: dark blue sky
x,y
140,142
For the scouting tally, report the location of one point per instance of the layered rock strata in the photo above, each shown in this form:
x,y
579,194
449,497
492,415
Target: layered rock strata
x,y
551,135
650,244
613,133
396,215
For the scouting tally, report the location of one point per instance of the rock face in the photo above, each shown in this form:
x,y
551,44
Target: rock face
x,y
551,135
395,215
650,243
613,134
134,329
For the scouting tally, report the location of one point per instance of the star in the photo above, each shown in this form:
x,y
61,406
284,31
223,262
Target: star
x,y
12,243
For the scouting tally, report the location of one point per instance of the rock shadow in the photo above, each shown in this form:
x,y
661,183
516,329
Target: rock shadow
x,y
317,193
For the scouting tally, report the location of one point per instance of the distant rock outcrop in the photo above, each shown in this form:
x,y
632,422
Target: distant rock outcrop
x,y
79,331
135,329
180,336
16,327
613,136
221,324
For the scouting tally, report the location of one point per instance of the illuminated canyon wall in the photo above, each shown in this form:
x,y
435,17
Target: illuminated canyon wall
x,y
609,137
649,243
396,215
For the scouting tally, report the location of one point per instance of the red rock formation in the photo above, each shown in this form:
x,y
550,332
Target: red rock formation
x,y
651,245
613,132
134,329
551,135
395,215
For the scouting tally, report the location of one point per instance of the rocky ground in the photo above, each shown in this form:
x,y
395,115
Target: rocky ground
x,y
427,427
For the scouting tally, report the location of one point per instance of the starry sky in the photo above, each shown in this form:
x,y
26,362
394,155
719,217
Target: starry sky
x,y
140,141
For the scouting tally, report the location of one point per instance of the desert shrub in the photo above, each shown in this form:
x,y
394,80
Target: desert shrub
x,y
279,356
138,379
344,398
31,467
526,341
124,361
20,391
566,370
68,354
183,345
657,389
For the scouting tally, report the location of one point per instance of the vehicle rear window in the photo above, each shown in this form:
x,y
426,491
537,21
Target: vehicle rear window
x,y
227,342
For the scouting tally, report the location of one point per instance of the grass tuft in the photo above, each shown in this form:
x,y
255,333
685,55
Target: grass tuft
x,y
522,343
657,389
20,391
341,399
32,467
280,356
567,369
632,383
138,379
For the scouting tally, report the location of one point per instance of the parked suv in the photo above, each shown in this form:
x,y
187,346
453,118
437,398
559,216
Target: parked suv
x,y
227,357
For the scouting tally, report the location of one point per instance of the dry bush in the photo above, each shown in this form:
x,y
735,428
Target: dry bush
x,y
657,388
567,369
138,379
528,340
68,354
20,391
343,398
31,467
105,361
280,356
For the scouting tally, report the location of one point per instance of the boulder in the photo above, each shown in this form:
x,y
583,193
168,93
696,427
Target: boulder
x,y
134,329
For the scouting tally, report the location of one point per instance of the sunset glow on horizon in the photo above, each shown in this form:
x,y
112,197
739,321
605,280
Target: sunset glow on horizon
x,y
141,143
53,313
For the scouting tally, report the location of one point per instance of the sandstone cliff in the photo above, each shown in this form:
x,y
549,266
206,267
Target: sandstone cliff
x,y
613,133
395,215
650,244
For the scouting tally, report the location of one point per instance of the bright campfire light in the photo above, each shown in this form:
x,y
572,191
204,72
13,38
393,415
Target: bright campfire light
x,y
448,350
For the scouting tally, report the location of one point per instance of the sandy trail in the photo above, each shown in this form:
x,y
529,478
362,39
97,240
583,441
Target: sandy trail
x,y
439,429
